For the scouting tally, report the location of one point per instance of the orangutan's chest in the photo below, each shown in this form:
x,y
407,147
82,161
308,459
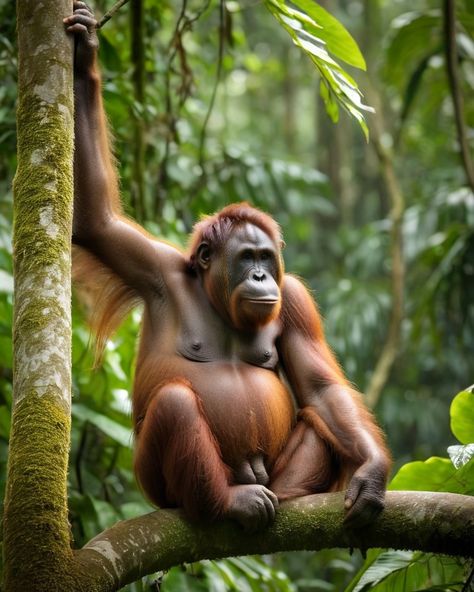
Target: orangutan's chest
x,y
209,340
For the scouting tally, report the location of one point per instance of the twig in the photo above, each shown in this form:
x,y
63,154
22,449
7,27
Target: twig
x,y
220,57
455,87
184,23
170,117
108,15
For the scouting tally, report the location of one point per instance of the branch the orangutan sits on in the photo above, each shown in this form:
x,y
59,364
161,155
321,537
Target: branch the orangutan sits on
x,y
216,428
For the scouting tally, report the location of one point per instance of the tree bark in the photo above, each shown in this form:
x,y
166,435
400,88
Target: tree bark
x,y
36,530
432,522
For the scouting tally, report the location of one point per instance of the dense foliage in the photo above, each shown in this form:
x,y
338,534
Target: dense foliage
x,y
211,103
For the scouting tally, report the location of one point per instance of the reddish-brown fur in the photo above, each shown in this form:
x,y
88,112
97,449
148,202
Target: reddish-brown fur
x,y
230,348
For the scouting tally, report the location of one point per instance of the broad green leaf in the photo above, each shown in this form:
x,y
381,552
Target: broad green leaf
x,y
394,571
385,565
463,480
339,41
435,474
318,33
178,580
227,574
430,475
462,417
414,84
414,36
111,428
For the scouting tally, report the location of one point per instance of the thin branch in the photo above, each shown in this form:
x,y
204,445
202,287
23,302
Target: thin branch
x,y
418,520
455,87
389,351
170,117
109,14
220,57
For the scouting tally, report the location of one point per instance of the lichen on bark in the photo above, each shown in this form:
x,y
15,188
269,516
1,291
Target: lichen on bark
x,y
43,197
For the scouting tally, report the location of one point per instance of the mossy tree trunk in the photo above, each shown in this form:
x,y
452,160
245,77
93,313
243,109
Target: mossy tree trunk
x,y
36,531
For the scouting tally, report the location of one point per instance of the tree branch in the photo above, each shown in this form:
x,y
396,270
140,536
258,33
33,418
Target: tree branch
x,y
110,13
432,522
220,58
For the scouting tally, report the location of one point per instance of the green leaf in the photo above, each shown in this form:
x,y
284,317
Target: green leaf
x,y
317,33
395,571
435,474
414,36
111,428
462,417
338,39
331,105
385,565
430,475
414,84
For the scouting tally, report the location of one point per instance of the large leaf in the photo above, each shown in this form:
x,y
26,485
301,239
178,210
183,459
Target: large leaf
x,y
385,565
338,40
414,36
435,474
462,417
430,475
400,571
319,35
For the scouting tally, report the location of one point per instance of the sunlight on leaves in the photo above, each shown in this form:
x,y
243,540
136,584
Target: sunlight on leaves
x,y
319,35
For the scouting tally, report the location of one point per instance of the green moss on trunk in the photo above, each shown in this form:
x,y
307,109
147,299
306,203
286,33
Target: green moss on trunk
x,y
36,530
36,522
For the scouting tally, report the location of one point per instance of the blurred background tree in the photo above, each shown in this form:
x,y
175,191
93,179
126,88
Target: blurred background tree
x,y
211,103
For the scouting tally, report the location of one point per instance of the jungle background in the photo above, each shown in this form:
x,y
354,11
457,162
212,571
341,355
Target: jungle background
x,y
212,103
